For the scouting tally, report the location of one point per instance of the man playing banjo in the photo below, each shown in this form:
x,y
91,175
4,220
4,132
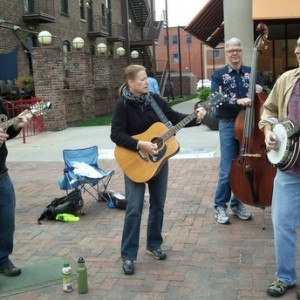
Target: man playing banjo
x,y
283,106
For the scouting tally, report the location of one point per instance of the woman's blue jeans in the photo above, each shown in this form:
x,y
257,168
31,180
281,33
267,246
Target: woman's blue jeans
x,y
135,194
7,218
286,219
229,149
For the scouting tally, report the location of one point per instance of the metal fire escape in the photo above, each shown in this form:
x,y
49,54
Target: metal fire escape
x,y
150,31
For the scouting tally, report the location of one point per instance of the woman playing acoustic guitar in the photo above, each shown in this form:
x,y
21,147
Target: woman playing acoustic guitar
x,y
144,145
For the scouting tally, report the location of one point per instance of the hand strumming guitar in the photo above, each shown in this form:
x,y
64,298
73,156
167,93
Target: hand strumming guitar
x,y
3,137
148,147
23,117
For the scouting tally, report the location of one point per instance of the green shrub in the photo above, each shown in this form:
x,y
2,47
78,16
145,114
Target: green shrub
x,y
203,94
24,81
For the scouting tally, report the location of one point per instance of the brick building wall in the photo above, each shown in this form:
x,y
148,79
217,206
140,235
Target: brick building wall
x,y
79,84
93,82
190,54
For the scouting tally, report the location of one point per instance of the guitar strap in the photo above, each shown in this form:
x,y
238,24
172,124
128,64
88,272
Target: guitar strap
x,y
160,113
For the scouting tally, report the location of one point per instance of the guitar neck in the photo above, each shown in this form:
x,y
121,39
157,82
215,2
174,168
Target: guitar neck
x,y
10,122
35,110
172,131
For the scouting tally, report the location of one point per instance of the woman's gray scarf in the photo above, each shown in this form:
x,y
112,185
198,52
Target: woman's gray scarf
x,y
141,101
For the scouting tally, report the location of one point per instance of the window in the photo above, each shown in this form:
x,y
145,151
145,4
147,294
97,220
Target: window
x,y
165,40
175,58
216,53
66,46
92,50
175,39
90,17
64,8
82,11
29,6
188,39
31,41
104,11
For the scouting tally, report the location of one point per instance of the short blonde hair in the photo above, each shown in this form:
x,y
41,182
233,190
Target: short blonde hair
x,y
130,73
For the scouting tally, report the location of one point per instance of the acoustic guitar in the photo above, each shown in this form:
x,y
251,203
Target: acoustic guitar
x,y
141,167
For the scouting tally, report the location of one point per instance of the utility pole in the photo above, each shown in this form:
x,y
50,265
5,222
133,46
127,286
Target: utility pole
x,y
126,29
180,66
168,39
201,61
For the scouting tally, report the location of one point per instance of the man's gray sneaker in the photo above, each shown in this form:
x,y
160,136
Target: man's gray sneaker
x,y
157,253
240,211
221,215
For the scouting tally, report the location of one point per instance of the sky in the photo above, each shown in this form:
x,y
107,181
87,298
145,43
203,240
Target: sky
x,y
180,13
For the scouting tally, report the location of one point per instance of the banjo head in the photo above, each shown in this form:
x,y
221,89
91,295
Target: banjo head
x,y
275,156
287,152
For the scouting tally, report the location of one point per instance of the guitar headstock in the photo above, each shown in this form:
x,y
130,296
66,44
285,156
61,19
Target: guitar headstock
x,y
217,99
40,108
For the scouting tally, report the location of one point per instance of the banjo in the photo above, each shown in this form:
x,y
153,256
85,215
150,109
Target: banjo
x,y
285,156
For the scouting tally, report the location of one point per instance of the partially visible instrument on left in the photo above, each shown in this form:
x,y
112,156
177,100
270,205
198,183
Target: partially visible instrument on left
x,y
37,109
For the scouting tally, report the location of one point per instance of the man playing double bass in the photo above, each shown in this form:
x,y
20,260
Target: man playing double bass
x,y
232,80
283,103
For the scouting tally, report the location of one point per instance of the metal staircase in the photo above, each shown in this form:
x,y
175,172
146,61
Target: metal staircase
x,y
141,11
150,31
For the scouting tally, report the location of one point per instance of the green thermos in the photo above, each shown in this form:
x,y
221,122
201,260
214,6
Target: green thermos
x,y
82,281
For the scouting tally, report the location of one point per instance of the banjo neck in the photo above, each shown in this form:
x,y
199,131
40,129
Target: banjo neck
x,y
294,131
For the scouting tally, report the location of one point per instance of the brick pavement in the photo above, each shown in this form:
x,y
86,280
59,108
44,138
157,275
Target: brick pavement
x,y
205,261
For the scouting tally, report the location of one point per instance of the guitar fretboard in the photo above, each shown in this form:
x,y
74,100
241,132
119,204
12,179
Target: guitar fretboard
x,y
172,131
36,109
8,123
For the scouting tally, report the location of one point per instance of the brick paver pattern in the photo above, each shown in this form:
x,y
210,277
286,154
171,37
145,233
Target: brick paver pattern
x,y
206,260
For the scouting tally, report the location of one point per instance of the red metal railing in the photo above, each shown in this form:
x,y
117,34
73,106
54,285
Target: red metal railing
x,y
35,125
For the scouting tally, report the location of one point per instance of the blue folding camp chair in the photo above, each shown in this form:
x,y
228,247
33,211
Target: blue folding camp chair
x,y
81,171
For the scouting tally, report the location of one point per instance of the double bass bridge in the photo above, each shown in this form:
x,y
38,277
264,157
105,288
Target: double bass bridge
x,y
256,155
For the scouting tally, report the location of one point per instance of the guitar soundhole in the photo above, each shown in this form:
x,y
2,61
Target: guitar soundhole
x,y
159,142
161,149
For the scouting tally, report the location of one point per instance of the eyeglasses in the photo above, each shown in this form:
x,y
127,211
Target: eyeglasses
x,y
234,50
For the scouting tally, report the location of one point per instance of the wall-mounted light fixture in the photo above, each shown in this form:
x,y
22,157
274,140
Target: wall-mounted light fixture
x,y
89,3
78,43
45,37
120,51
134,54
101,48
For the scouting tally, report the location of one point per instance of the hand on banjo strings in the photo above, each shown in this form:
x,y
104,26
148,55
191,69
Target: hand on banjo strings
x,y
271,140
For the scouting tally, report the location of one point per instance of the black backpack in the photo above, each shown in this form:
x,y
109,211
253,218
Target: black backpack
x,y
70,204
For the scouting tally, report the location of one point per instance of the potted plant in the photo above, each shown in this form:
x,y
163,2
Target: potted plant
x,y
209,120
26,85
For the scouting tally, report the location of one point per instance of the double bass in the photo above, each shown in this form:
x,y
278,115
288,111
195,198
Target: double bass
x,y
251,174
